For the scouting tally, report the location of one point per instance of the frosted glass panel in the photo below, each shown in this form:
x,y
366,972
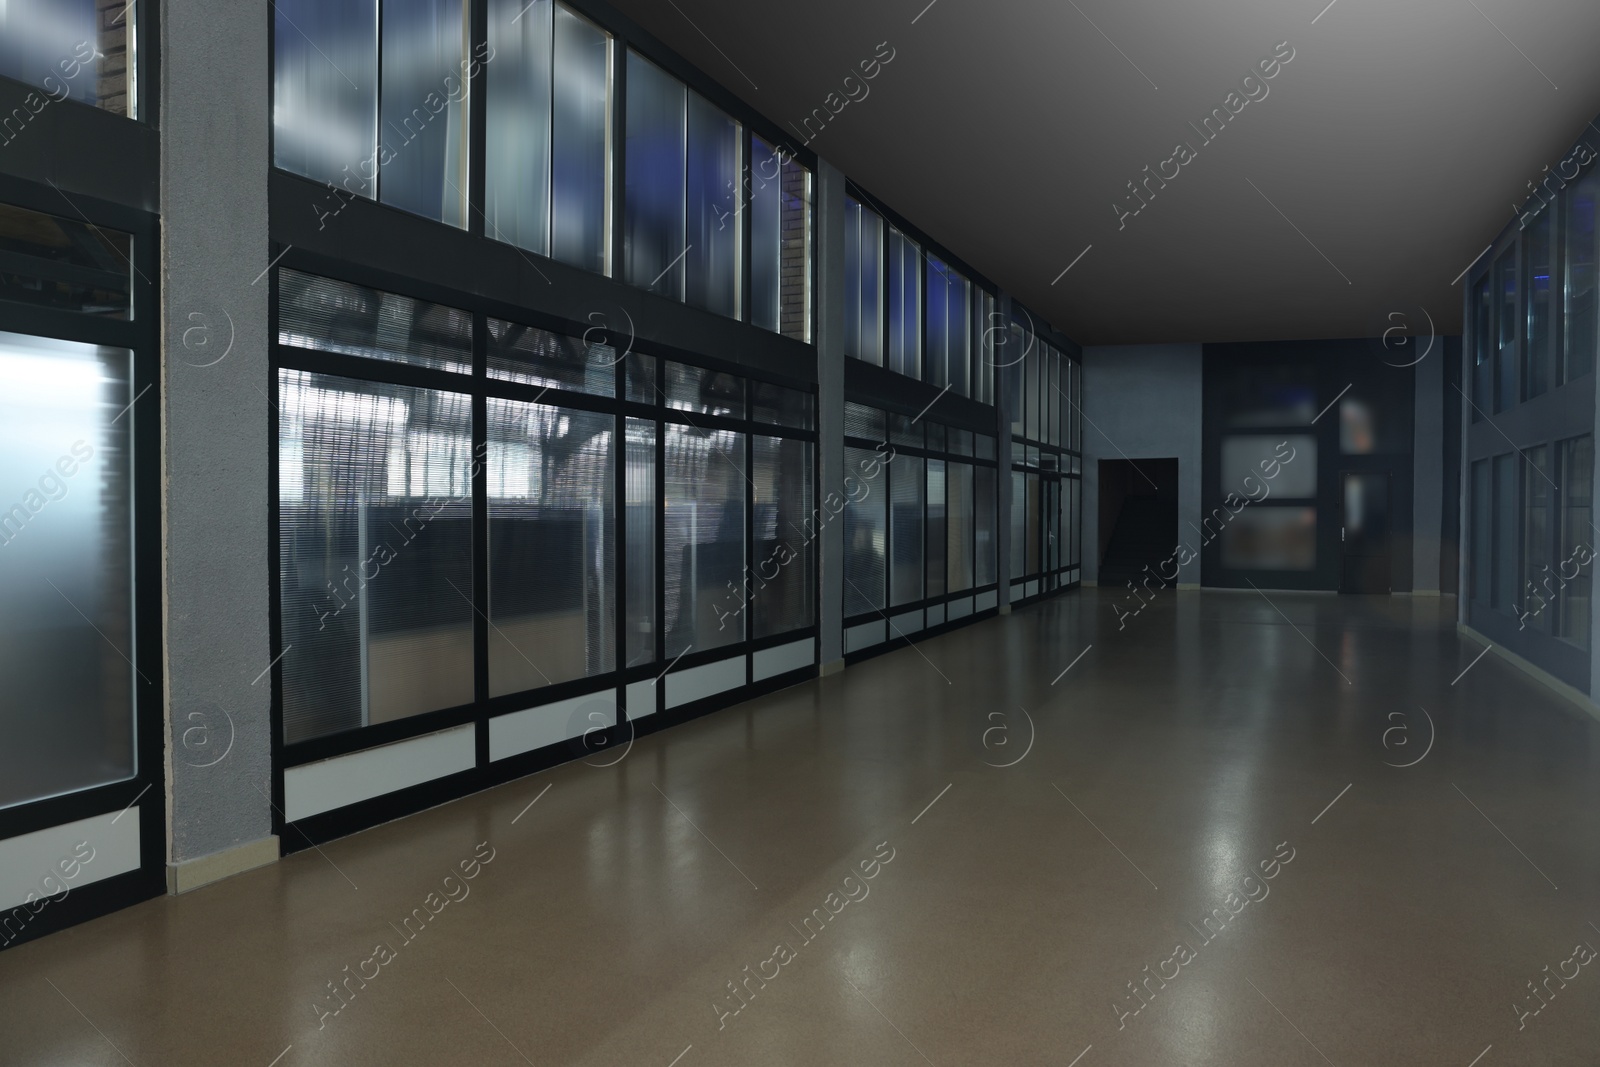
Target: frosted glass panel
x,y
936,528
1257,467
66,635
517,146
552,555
352,320
863,285
985,521
1271,539
783,554
1019,524
958,543
65,263
705,538
532,356
423,109
766,234
325,92
905,305
375,551
640,547
712,262
908,492
580,231
865,515
653,232
72,49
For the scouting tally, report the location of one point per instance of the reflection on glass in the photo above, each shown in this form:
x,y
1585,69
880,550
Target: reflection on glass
x,y
1016,355
1035,519
784,549
66,576
517,113
711,264
1357,432
1271,539
1538,582
937,580
1019,524
958,540
66,264
705,539
1505,531
325,92
552,556
1505,272
1580,318
70,49
985,337
1075,525
532,356
865,540
1482,547
424,128
653,227
375,551
352,320
704,392
905,305
863,283
985,517
580,138
776,405
640,545
907,494
1537,261
1575,570
1483,347
1257,467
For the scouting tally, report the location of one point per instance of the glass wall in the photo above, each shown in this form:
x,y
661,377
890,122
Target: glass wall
x,y
780,206
547,149
399,469
1532,333
1045,385
406,146
920,522
72,50
66,567
863,283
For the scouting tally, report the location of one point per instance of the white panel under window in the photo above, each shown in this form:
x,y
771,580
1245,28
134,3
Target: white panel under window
x,y
959,609
697,683
551,724
771,662
905,624
936,615
66,857
989,601
314,788
864,636
1019,591
641,698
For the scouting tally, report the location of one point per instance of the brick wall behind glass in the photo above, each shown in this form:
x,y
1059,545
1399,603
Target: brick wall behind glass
x,y
795,272
112,16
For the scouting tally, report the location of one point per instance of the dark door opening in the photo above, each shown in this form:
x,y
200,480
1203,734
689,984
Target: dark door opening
x,y
1138,518
1364,536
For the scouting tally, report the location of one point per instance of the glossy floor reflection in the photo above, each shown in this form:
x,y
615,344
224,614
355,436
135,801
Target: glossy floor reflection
x,y
1040,840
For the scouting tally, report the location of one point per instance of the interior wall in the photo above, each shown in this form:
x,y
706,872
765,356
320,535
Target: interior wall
x,y
1142,402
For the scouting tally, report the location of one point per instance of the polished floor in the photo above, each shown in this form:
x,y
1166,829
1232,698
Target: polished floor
x,y
1188,837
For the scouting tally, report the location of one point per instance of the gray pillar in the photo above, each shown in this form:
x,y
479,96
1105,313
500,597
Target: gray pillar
x,y
1427,458
1002,353
214,71
830,406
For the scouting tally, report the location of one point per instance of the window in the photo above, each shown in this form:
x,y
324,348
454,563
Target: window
x,y
681,237
407,146
949,327
76,50
66,568
863,283
783,577
865,538
1505,531
547,151
1483,347
375,552
352,320
1540,301
1505,270
704,540
1575,572
905,305
66,264
983,349
552,554
639,545
1532,603
1482,505
1579,320
780,242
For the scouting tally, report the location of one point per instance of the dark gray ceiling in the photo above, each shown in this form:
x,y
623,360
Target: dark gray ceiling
x,y
1386,154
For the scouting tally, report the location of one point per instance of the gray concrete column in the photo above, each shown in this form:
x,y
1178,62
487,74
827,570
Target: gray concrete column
x,y
1427,513
215,66
830,406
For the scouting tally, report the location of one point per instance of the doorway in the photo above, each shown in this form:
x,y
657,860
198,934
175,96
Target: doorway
x,y
1364,534
1138,517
